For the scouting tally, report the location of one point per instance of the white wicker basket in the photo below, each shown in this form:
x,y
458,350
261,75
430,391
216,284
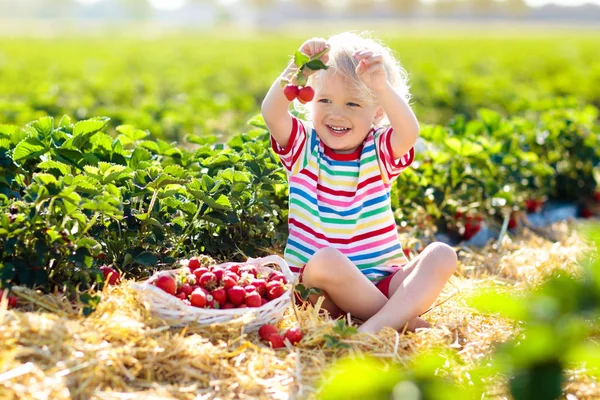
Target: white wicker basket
x,y
177,313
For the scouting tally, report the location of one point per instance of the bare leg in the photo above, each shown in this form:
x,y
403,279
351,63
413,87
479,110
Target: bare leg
x,y
416,289
344,286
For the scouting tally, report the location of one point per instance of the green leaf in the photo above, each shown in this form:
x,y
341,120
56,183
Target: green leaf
x,y
347,379
258,121
316,65
51,164
83,130
29,148
146,258
300,59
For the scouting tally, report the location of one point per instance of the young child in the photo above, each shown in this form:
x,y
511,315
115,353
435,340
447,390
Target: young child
x,y
341,164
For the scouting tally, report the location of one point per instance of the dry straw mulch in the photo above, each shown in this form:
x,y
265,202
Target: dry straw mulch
x,y
49,351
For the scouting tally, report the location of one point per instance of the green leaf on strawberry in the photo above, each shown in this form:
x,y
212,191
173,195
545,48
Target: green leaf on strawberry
x,y
316,65
300,59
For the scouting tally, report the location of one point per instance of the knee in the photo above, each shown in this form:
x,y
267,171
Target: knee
x,y
320,269
442,257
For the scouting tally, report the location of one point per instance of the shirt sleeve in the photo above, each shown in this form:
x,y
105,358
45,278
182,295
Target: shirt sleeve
x,y
390,167
290,154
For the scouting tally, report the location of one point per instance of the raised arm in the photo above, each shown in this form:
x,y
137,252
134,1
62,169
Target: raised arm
x,y
275,106
404,122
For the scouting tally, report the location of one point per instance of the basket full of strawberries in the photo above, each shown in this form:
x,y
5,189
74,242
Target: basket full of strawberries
x,y
209,294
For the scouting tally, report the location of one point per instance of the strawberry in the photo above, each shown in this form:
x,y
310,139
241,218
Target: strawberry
x,y
267,330
260,285
186,288
220,296
291,91
250,288
191,279
181,296
212,303
306,94
242,306
275,289
199,272
12,300
218,273
198,298
294,335
227,306
229,281
263,301
277,276
512,223
236,295
250,270
252,299
111,276
235,268
166,283
276,341
208,280
406,252
587,213
193,264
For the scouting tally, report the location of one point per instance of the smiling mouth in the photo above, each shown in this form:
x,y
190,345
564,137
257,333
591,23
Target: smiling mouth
x,y
337,130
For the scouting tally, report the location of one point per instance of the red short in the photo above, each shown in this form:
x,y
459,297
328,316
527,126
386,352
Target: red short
x,y
383,285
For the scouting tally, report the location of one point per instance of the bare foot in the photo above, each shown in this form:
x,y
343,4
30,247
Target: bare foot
x,y
416,323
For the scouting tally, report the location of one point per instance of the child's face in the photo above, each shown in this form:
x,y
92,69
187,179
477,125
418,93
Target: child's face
x,y
340,118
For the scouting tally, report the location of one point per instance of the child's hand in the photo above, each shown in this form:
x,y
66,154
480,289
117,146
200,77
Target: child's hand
x,y
370,70
314,46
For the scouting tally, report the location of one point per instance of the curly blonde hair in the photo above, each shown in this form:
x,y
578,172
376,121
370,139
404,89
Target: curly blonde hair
x,y
341,48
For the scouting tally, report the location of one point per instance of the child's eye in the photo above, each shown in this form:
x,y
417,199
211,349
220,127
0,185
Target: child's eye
x,y
324,101
351,104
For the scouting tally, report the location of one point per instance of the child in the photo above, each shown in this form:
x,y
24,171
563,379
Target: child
x,y
340,165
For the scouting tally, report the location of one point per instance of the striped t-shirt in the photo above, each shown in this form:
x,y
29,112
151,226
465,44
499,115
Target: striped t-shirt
x,y
342,200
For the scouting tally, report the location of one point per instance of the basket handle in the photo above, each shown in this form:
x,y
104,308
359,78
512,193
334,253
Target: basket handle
x,y
273,260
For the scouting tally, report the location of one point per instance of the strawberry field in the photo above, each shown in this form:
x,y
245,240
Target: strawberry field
x,y
125,157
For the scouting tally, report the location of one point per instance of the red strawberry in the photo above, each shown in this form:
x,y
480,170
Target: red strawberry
x,y
263,301
166,283
512,223
250,288
12,300
181,296
260,285
306,94
250,270
587,213
236,295
212,303
294,335
193,264
208,280
229,281
267,330
235,268
275,289
276,341
290,91
199,272
198,298
111,276
252,299
186,288
531,205
227,306
219,295
406,252
218,273
277,276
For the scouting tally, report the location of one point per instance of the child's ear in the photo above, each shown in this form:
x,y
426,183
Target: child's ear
x,y
378,116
